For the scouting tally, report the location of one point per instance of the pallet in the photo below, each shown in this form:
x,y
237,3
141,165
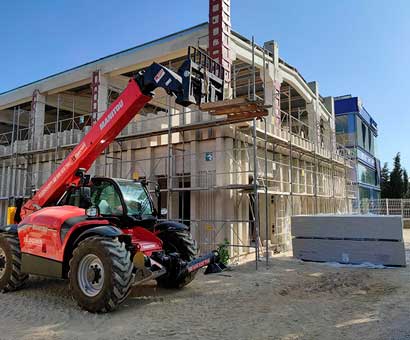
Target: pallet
x,y
238,108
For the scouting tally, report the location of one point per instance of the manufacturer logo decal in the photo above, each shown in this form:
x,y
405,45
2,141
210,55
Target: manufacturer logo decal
x,y
33,241
199,265
159,75
112,114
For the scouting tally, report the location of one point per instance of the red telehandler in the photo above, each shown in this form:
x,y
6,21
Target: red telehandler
x,y
103,234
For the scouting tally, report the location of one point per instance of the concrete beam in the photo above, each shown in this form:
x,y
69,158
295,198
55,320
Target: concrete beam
x,y
117,83
295,80
68,86
243,51
6,117
78,104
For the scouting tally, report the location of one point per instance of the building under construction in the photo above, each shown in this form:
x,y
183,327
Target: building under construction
x,y
228,175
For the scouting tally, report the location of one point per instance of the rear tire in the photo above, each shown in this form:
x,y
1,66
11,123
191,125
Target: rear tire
x,y
100,274
11,277
181,242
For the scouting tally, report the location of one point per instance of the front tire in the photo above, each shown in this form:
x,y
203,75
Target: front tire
x,y
181,242
100,274
11,277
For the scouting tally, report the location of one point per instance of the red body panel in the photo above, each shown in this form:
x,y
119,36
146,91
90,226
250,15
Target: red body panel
x,y
39,233
103,132
144,240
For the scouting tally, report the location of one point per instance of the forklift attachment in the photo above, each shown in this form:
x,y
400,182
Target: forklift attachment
x,y
211,260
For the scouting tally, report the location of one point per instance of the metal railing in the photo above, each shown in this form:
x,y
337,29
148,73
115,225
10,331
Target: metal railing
x,y
386,206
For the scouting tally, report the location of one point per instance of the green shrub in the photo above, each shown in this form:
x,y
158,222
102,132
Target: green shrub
x,y
223,252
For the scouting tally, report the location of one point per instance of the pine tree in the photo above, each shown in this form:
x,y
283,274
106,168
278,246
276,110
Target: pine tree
x,y
396,178
405,184
385,181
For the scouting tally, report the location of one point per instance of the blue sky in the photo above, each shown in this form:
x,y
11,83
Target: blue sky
x,y
360,47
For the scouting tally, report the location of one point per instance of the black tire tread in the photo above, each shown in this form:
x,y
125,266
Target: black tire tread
x,y
17,278
179,241
121,278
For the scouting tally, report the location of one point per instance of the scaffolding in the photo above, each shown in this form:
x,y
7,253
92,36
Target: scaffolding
x,y
203,160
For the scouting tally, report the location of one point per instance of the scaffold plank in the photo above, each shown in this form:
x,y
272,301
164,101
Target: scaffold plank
x,y
237,108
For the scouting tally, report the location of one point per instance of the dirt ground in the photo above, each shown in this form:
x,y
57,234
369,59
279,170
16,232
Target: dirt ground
x,y
288,300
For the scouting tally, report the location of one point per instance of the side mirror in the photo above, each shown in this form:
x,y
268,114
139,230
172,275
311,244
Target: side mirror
x,y
164,212
92,212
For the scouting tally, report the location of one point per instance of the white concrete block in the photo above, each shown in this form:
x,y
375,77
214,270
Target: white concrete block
x,y
388,253
349,239
348,226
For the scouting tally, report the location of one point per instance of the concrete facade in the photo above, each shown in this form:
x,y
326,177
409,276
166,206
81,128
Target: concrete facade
x,y
206,168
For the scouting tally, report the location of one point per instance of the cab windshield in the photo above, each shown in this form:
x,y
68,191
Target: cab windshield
x,y
136,198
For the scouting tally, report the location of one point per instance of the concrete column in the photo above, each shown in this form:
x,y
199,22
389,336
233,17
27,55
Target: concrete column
x,y
99,85
305,188
150,164
329,104
126,166
273,82
102,95
195,195
39,108
18,180
3,207
313,121
36,173
224,200
281,173
296,181
48,169
3,181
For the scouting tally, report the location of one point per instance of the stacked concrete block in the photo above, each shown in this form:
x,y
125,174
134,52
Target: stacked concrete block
x,y
353,239
65,137
53,140
76,136
46,141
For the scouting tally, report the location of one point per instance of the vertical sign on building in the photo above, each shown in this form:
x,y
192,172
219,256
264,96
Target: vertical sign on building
x,y
219,33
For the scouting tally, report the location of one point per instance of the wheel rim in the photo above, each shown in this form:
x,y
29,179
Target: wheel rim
x,y
2,262
90,275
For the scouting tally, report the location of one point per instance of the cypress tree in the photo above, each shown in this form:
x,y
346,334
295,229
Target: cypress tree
x,y
385,181
405,184
396,178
